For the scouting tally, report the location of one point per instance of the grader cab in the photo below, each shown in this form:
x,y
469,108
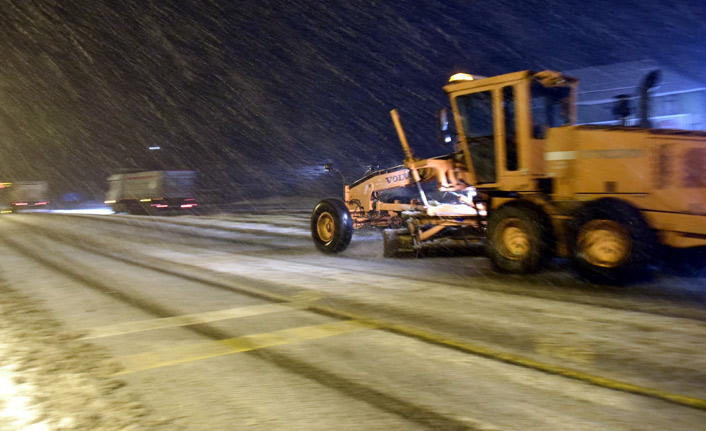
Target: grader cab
x,y
530,184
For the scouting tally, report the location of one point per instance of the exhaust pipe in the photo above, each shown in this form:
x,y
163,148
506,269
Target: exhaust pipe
x,y
650,81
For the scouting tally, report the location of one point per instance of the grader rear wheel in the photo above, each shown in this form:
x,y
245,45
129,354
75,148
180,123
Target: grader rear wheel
x,y
611,243
603,243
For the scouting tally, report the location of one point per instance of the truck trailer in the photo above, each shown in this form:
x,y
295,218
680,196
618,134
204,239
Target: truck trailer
x,y
530,184
20,195
152,192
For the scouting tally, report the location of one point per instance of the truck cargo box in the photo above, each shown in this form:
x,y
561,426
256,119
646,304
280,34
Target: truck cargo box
x,y
152,191
18,195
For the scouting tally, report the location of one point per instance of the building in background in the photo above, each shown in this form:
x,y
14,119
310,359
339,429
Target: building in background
x,y
607,93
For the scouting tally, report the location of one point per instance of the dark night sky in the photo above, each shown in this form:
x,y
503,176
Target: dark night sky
x,y
254,95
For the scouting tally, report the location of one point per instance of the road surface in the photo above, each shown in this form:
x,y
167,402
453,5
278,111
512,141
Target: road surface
x,y
237,322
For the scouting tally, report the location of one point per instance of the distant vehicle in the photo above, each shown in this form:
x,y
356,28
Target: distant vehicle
x,y
152,192
71,199
20,195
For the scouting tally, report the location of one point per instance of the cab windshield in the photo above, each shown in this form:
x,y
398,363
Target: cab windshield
x,y
476,111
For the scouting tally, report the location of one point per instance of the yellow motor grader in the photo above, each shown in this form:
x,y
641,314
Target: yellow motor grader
x,y
530,184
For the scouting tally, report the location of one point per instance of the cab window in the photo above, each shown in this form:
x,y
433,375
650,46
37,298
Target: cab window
x,y
549,108
510,133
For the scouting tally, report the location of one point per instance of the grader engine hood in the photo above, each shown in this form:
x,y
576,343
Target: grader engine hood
x,y
631,161
575,155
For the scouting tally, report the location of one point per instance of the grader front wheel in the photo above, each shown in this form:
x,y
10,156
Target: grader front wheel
x,y
331,226
325,226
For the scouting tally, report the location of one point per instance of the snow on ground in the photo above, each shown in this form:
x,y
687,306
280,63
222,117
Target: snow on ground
x,y
17,411
50,380
240,225
85,211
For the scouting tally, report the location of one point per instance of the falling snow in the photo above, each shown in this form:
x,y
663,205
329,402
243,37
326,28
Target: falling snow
x,y
255,95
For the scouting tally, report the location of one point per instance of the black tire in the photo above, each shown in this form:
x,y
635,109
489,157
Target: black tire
x,y
331,226
518,238
611,243
132,208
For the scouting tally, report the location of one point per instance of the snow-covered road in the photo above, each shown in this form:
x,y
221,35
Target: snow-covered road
x,y
149,320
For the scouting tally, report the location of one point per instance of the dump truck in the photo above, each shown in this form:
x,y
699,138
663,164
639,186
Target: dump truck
x,y
152,192
528,183
20,195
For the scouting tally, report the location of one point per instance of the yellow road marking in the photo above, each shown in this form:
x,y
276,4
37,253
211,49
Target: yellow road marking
x,y
548,346
522,361
190,319
198,351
